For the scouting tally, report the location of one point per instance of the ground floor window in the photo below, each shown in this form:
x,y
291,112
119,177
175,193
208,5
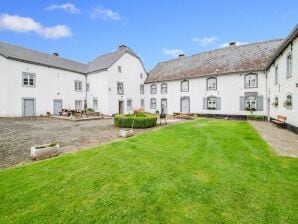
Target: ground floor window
x,y
289,101
78,104
211,103
142,103
129,104
251,103
153,103
95,104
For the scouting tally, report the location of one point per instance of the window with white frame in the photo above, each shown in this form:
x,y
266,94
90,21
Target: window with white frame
x,y
275,103
164,88
95,104
211,103
142,103
78,85
153,103
251,81
87,86
289,101
129,104
28,79
78,104
141,89
119,69
185,86
289,65
211,84
153,89
141,75
276,74
120,88
251,103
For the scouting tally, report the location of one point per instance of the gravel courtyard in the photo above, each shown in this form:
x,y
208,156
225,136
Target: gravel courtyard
x,y
17,135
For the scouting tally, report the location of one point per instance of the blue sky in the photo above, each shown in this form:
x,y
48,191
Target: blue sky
x,y
155,30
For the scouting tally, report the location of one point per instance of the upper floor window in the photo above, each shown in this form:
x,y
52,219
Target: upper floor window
x,y
185,86
153,89
141,89
28,79
120,89
289,65
211,84
119,69
141,75
78,104
164,88
129,104
78,85
153,103
251,81
211,103
276,74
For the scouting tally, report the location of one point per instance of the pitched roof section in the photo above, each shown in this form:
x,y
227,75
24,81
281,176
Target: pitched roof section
x,y
107,60
232,59
292,36
24,54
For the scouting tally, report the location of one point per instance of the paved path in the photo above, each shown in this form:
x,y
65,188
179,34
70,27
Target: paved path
x,y
284,142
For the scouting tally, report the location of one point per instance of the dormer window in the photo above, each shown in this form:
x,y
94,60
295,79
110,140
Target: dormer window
x,y
211,84
251,80
185,86
289,65
153,89
119,69
120,89
164,88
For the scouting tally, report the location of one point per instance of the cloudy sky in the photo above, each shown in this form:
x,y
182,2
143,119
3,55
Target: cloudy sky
x,y
155,30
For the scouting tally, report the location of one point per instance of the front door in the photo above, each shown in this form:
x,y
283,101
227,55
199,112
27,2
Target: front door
x,y
185,105
164,106
121,107
57,107
28,107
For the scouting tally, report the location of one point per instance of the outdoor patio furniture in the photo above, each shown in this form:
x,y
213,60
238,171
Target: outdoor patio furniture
x,y
280,121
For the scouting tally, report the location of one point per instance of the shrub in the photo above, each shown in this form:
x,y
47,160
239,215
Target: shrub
x,y
256,117
141,121
90,110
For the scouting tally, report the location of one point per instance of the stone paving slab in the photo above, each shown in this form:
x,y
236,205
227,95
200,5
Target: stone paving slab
x,y
283,141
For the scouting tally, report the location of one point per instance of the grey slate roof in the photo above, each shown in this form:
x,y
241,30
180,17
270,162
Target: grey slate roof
x,y
232,59
24,54
31,56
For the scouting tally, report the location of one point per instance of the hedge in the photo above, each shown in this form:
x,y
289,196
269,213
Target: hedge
x,y
126,121
256,117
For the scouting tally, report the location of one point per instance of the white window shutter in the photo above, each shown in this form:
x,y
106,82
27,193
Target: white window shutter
x,y
241,102
260,103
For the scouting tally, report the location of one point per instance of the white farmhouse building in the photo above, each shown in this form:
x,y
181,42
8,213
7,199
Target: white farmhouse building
x,y
34,83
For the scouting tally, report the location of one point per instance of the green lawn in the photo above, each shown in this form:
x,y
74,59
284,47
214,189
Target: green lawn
x,y
206,171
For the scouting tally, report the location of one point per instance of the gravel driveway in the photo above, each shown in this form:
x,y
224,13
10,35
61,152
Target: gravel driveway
x,y
17,135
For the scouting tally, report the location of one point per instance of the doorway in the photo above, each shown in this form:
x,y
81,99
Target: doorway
x,y
164,106
121,107
58,104
28,107
184,105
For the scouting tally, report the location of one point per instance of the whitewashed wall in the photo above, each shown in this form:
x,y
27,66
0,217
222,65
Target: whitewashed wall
x,y
229,87
51,83
3,86
284,86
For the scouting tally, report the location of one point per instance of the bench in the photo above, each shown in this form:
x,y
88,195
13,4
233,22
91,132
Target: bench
x,y
281,120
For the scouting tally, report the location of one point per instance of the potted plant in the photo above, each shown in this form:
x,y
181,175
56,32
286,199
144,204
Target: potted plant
x,y
45,151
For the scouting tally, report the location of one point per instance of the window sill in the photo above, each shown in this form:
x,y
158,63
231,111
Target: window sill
x,y
28,86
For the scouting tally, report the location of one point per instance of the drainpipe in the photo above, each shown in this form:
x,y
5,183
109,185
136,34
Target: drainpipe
x,y
266,96
86,106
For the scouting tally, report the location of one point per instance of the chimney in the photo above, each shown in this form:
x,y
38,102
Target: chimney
x,y
181,55
232,43
122,47
56,54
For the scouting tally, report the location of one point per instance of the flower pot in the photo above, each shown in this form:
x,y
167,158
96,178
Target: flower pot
x,y
126,133
45,151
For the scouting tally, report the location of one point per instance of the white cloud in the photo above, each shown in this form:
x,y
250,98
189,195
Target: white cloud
x,y
237,43
173,53
21,24
205,40
67,7
105,14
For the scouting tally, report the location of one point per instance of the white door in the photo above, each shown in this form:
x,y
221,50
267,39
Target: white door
x,y
164,106
29,107
57,107
185,105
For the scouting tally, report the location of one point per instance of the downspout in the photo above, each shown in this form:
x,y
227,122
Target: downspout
x,y
86,106
266,96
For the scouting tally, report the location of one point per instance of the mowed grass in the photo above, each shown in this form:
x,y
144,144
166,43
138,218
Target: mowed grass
x,y
206,171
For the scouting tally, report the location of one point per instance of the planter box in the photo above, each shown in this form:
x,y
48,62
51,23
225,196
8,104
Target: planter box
x,y
126,133
44,151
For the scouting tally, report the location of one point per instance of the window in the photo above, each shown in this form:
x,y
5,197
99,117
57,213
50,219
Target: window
x,y
141,89
211,103
142,103
120,89
95,104
251,81
78,104
250,103
119,69
276,75
87,86
185,86
78,85
289,66
153,89
153,103
164,88
28,79
275,103
211,84
129,104
289,101
141,75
